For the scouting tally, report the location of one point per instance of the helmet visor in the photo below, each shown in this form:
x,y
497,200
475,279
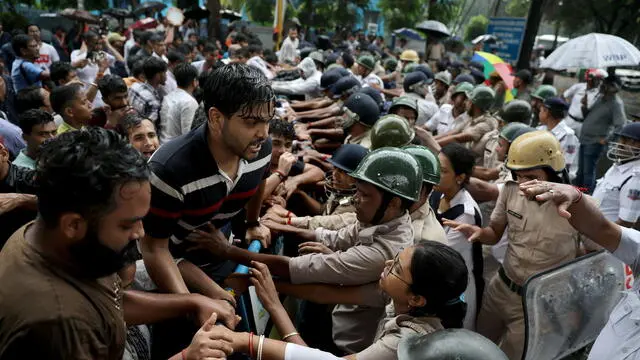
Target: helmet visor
x,y
620,152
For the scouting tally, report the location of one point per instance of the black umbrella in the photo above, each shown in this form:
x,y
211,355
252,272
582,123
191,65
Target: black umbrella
x,y
117,13
433,28
149,6
230,15
196,13
79,15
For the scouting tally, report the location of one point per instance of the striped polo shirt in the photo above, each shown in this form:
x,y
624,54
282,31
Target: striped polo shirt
x,y
188,190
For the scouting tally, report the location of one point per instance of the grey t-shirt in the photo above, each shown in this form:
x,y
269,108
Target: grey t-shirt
x,y
605,116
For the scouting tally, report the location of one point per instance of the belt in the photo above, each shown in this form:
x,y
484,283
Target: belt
x,y
510,284
575,118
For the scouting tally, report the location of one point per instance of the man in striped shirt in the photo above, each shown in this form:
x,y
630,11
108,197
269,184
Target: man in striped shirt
x,y
208,176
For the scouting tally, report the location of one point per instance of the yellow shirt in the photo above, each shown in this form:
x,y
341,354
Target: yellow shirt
x,y
64,127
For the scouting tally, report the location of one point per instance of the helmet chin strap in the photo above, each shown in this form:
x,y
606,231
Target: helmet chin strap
x,y
384,203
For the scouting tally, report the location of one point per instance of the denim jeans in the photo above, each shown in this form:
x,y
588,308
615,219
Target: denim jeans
x,y
587,161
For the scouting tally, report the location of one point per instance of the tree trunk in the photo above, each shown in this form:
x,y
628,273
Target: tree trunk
x,y
530,31
213,23
309,6
556,33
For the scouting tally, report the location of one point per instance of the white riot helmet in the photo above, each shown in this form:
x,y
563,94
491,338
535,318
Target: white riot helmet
x,y
622,153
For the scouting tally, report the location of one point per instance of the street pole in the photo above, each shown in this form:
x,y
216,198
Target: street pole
x,y
80,4
530,31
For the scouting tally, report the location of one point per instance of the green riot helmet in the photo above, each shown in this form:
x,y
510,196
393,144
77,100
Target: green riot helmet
x,y
516,111
366,61
406,101
482,96
543,92
391,131
428,161
511,131
393,170
462,88
390,64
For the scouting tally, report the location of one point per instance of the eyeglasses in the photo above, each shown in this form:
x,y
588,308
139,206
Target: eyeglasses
x,y
394,269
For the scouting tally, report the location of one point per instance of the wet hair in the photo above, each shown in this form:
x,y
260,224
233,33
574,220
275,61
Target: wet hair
x,y
137,68
185,74
60,70
82,171
347,59
240,37
128,122
440,274
175,56
19,42
29,98
282,128
145,37
111,84
153,66
209,47
236,88
62,96
461,159
33,117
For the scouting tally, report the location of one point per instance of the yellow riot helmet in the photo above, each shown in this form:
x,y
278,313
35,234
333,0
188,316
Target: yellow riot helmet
x,y
537,149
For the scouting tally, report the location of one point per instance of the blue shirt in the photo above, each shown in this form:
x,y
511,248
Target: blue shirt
x,y
11,137
24,160
25,73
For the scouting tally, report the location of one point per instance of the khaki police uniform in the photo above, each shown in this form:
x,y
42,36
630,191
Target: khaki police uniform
x,y
618,192
539,239
480,128
363,139
338,213
490,155
569,143
426,226
359,258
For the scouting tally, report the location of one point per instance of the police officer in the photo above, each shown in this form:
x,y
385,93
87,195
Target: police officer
x,y
552,115
340,91
416,86
473,133
360,113
406,107
389,181
391,131
459,344
365,66
538,239
442,83
542,93
425,224
453,115
409,57
618,192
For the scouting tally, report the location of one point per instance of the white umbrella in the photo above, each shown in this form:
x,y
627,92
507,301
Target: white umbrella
x,y
433,28
593,51
487,38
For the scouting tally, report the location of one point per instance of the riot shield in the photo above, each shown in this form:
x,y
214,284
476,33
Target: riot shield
x,y
566,307
449,344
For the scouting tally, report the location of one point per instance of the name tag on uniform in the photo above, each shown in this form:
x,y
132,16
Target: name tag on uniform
x,y
513,213
344,201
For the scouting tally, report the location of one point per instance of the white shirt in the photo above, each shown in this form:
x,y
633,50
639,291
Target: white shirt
x,y
569,143
176,114
288,50
88,73
618,192
576,93
259,63
372,80
170,84
48,55
442,121
128,45
426,109
199,65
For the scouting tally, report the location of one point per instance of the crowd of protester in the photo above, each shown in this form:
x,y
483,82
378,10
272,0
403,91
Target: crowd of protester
x,y
134,174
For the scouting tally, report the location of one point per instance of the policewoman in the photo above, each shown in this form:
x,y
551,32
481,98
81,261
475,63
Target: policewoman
x,y
538,239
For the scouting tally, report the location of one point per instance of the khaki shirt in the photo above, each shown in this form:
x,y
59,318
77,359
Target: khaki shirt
x,y
539,239
479,128
338,213
359,258
393,329
363,140
490,155
426,226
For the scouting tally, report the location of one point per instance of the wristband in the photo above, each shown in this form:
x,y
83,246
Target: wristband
x,y
284,338
251,345
580,193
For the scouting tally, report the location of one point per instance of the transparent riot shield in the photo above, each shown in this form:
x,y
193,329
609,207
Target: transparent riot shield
x,y
566,307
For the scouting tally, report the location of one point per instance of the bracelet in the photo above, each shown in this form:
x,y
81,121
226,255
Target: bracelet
x,y
288,214
260,344
284,338
289,221
182,353
251,344
579,197
281,175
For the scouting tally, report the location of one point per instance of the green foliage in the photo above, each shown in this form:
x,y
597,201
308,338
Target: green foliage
x,y
477,26
260,11
11,20
330,13
445,12
401,13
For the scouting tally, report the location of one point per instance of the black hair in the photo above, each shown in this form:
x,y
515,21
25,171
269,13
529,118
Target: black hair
x,y
82,171
19,42
254,49
29,98
209,47
152,66
62,96
347,59
90,35
60,70
185,48
440,274
145,37
237,87
242,52
240,37
282,128
185,74
111,84
28,119
175,56
461,159
137,34
156,37
137,68
30,25
128,122
557,113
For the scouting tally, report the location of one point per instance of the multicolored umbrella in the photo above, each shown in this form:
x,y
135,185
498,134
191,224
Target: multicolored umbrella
x,y
493,63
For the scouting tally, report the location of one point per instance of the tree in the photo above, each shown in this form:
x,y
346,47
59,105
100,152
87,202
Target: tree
x,y
401,13
477,26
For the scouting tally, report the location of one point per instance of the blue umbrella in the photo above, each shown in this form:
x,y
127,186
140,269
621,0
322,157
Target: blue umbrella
x,y
408,33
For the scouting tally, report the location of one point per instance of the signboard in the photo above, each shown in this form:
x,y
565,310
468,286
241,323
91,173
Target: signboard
x,y
372,28
509,32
